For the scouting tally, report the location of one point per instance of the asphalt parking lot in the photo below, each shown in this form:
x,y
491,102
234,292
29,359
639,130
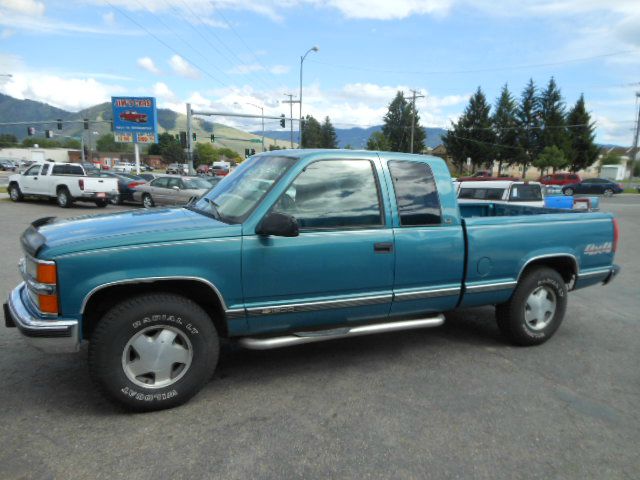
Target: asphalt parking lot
x,y
450,402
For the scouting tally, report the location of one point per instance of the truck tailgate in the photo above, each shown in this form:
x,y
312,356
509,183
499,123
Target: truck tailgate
x,y
97,184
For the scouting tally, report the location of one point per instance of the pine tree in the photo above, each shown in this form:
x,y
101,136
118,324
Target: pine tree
x,y
311,133
528,121
329,138
397,126
472,136
583,151
377,141
552,116
505,123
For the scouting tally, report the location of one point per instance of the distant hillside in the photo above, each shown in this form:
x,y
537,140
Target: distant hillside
x,y
357,137
15,110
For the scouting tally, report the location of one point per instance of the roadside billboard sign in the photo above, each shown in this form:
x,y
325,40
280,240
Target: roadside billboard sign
x,y
134,119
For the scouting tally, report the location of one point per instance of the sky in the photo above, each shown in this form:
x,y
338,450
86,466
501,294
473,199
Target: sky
x,y
240,55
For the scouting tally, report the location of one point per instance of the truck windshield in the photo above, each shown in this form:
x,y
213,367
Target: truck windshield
x,y
235,197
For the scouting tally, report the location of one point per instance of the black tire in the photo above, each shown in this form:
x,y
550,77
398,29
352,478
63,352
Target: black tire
x,y
64,198
144,315
15,194
608,192
512,316
568,191
102,203
116,200
147,201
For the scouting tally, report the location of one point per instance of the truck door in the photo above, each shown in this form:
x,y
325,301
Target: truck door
x,y
29,180
41,182
429,240
340,267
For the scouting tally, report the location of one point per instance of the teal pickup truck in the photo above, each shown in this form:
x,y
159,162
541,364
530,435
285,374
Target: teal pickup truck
x,y
295,247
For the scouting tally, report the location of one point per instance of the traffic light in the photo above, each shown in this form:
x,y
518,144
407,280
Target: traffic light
x,y
59,124
86,123
183,139
213,138
31,131
193,136
48,133
282,120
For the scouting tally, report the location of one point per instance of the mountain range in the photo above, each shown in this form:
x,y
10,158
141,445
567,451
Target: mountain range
x,y
355,137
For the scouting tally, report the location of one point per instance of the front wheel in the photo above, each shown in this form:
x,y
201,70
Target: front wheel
x,y
153,351
536,308
147,201
608,192
14,193
568,191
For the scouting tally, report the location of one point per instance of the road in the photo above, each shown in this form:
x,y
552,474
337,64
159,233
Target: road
x,y
452,402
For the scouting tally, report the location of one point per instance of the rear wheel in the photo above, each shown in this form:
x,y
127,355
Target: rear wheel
x,y
608,192
536,308
14,193
568,191
116,200
63,198
153,351
147,201
102,203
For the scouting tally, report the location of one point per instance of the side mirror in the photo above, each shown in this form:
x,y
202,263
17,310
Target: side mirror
x,y
176,188
278,225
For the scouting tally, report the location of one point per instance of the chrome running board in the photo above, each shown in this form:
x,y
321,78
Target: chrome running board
x,y
265,343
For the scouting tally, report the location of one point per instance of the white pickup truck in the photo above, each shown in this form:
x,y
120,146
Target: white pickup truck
x,y
65,182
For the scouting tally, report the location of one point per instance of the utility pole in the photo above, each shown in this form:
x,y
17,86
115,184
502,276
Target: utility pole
x,y
190,145
634,150
413,114
291,101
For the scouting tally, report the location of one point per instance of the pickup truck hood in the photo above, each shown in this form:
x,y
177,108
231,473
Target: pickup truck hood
x,y
135,227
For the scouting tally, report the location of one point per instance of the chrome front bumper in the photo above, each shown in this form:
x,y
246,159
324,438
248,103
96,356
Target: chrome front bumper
x,y
57,335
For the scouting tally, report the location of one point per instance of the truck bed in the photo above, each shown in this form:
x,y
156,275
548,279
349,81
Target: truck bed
x,y
484,209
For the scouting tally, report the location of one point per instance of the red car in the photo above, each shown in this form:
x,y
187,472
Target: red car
x,y
135,117
560,179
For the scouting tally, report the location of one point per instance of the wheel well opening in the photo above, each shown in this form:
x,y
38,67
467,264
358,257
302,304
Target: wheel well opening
x,y
103,300
565,266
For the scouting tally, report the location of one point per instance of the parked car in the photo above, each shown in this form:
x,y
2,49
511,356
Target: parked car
x,y
127,183
560,179
170,190
65,182
600,186
124,167
213,181
177,169
293,249
7,165
484,175
501,191
219,171
146,168
203,170
90,168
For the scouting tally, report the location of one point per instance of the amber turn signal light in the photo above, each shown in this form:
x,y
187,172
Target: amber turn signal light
x,y
46,273
48,303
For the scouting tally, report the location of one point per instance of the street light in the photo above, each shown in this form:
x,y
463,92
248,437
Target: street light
x,y
261,114
312,49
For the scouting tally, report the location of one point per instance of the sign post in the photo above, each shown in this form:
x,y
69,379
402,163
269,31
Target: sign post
x,y
135,121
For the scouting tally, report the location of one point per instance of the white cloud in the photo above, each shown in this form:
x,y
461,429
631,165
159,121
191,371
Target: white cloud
x,y
183,68
387,10
7,33
44,25
163,92
109,19
244,69
147,64
24,7
279,69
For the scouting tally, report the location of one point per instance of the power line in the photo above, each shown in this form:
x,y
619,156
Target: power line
x,y
478,70
122,12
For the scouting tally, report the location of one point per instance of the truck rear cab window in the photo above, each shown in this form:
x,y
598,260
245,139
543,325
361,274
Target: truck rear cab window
x,y
525,193
67,170
416,193
334,194
481,193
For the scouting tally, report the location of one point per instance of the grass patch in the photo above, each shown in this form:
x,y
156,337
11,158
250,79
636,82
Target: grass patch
x,y
630,190
3,189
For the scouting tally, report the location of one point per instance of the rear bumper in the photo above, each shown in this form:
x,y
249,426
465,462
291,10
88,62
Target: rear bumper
x,y
57,335
92,196
615,269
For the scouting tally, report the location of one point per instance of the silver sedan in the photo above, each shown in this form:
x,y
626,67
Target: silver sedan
x,y
170,190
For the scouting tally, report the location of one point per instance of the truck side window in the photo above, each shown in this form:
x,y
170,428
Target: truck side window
x,y
416,193
334,194
33,171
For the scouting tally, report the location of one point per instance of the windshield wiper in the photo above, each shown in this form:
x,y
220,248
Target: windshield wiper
x,y
214,208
